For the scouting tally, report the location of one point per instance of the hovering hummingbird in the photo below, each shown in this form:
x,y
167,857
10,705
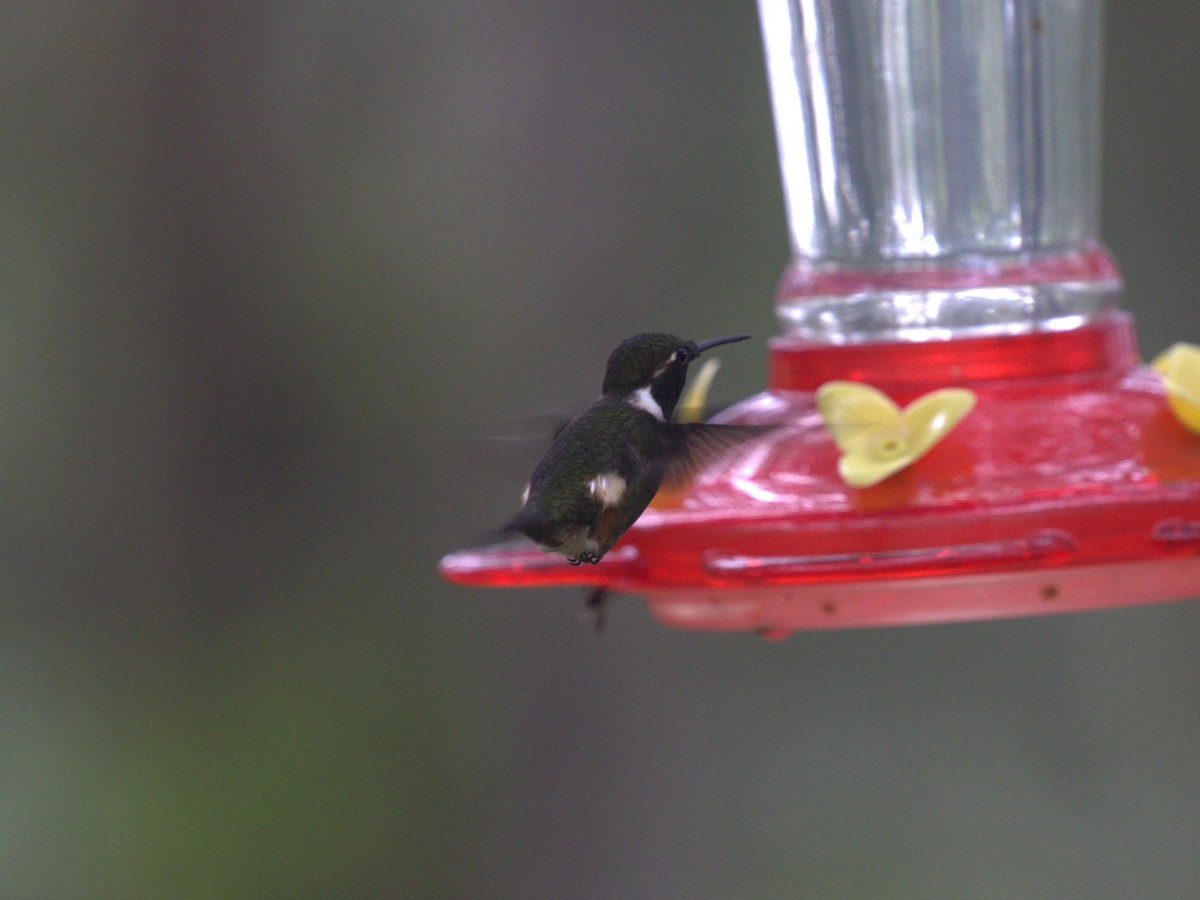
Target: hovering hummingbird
x,y
606,464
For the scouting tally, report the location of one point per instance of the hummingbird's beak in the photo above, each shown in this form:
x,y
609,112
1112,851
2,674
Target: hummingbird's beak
x,y
701,346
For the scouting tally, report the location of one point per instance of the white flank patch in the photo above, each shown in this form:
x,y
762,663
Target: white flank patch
x,y
643,399
608,488
525,495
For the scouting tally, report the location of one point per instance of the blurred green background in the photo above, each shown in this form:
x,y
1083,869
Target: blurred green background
x,y
266,267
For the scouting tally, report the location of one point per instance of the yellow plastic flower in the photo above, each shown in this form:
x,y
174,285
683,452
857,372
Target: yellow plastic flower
x,y
692,404
1179,366
691,407
876,437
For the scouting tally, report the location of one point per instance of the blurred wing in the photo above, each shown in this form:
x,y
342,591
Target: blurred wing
x,y
513,454
544,425
693,447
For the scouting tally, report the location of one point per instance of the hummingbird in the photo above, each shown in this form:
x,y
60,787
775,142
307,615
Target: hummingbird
x,y
605,465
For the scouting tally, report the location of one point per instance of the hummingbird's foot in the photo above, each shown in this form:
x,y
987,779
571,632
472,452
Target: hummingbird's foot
x,y
592,558
597,608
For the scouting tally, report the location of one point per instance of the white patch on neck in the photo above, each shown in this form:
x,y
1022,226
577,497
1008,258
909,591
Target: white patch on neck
x,y
608,488
644,400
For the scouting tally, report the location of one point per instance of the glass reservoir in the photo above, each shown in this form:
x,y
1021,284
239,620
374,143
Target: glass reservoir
x,y
940,170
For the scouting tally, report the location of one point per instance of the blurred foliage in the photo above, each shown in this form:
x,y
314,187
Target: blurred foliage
x,y
266,266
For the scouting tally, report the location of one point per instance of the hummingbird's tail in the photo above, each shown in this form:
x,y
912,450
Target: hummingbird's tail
x,y
529,521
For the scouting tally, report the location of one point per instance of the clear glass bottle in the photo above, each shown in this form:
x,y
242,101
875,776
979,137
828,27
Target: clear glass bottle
x,y
940,164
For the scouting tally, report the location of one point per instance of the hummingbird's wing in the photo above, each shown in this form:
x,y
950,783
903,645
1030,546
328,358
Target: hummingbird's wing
x,y
694,446
511,447
545,423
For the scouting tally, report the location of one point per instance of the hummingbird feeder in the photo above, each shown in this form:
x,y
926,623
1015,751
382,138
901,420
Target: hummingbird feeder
x,y
965,429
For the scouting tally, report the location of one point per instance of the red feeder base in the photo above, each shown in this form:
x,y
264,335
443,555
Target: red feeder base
x,y
1070,486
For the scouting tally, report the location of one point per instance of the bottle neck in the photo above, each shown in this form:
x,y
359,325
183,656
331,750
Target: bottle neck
x,y
973,295
1104,347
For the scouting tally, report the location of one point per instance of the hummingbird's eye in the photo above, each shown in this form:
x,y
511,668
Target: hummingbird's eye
x,y
682,355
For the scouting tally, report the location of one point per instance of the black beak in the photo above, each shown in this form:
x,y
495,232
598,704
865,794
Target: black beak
x,y
701,346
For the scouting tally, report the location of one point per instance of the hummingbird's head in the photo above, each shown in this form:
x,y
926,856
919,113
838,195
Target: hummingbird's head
x,y
649,370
